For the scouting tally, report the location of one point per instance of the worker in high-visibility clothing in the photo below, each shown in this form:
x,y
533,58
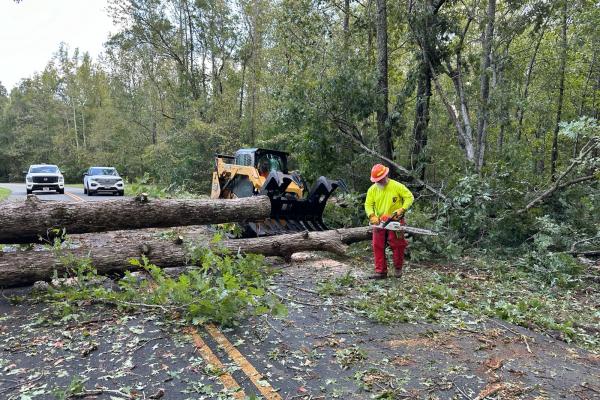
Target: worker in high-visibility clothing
x,y
387,199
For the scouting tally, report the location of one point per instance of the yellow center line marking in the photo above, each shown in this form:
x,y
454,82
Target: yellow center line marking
x,y
226,379
262,385
74,197
207,354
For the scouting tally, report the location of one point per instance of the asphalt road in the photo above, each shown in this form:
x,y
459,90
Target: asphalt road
x,y
71,194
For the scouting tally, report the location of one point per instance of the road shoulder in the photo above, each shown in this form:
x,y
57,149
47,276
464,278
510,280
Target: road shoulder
x,y
4,193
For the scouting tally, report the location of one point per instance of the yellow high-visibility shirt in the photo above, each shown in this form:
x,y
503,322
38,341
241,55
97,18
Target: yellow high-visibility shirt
x,y
386,200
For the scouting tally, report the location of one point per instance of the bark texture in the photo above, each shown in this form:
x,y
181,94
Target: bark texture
x,y
528,78
561,91
110,252
31,220
484,102
384,132
421,121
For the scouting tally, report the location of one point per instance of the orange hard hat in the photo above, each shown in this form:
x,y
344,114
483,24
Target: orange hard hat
x,y
378,172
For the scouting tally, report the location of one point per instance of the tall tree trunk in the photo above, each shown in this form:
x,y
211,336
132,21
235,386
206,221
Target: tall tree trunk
x,y
214,76
194,74
462,117
423,22
154,133
204,50
66,116
369,33
182,36
487,40
528,74
595,108
540,148
503,109
241,105
182,57
256,35
190,35
83,126
252,113
346,23
75,124
384,134
583,98
465,130
561,90
421,121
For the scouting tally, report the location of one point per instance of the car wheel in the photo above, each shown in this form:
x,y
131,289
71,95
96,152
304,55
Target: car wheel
x,y
29,191
84,190
121,193
90,193
61,191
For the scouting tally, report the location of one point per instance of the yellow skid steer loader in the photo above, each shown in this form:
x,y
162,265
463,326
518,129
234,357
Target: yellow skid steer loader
x,y
251,172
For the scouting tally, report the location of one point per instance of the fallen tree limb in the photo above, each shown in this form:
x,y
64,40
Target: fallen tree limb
x,y
343,127
586,253
31,220
586,150
110,252
582,241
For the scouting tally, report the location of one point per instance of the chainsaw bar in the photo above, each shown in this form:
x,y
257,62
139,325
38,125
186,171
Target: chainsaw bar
x,y
396,226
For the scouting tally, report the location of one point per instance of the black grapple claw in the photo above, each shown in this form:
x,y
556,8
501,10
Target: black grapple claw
x,y
289,213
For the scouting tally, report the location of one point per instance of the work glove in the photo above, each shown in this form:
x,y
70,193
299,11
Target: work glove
x,y
373,219
398,214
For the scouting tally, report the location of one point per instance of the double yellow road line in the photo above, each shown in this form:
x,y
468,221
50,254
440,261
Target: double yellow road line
x,y
74,197
228,381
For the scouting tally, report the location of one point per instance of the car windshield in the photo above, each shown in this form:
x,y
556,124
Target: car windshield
x,y
104,171
44,169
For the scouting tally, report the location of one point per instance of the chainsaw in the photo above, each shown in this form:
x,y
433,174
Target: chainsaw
x,y
393,225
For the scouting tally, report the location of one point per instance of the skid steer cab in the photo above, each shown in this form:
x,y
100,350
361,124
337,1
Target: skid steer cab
x,y
252,172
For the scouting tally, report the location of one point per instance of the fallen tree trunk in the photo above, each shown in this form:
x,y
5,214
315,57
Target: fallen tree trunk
x,y
33,220
110,252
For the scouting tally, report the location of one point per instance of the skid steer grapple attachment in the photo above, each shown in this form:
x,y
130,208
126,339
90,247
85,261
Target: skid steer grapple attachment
x,y
255,171
290,213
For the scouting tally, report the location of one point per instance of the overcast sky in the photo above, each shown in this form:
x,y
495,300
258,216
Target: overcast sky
x,y
31,31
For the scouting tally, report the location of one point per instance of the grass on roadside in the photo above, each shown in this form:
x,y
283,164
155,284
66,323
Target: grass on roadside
x,y
4,193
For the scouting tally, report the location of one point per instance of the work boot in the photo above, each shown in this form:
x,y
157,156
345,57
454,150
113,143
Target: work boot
x,y
377,276
398,273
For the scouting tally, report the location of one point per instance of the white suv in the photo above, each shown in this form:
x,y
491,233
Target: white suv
x,y
102,179
44,177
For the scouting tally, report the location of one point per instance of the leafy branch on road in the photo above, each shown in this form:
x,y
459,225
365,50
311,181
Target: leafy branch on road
x,y
222,288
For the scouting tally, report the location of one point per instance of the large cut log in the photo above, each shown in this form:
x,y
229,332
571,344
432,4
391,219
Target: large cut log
x,y
110,252
31,220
